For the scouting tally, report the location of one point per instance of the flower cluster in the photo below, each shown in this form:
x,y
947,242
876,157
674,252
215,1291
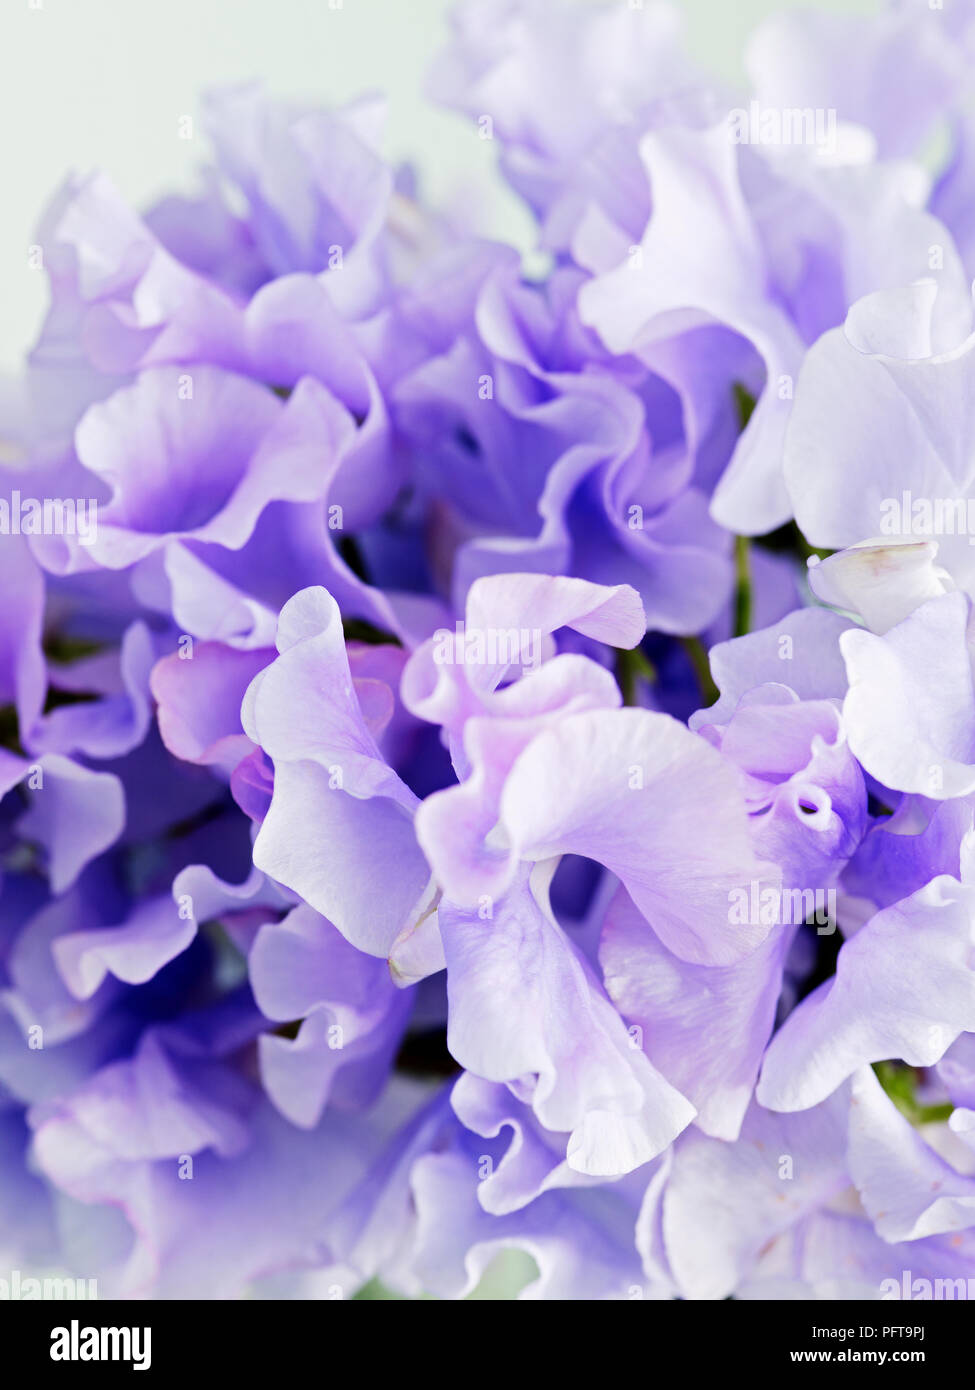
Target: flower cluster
x,y
487,750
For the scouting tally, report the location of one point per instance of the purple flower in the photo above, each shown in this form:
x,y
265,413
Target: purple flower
x,y
436,846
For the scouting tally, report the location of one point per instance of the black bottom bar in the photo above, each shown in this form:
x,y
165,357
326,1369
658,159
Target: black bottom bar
x,y
285,1339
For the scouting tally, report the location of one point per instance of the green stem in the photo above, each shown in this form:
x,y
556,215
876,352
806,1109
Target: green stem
x,y
694,648
743,587
806,550
631,666
900,1083
10,730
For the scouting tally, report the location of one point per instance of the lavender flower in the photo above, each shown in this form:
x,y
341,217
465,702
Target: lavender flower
x,y
450,813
